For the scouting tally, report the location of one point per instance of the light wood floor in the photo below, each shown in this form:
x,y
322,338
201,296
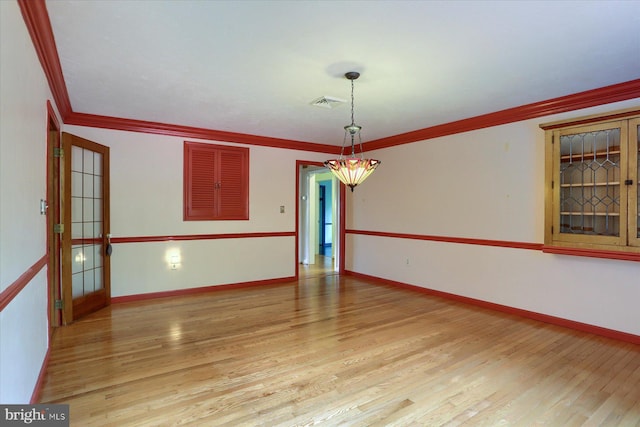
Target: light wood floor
x,y
322,267
335,351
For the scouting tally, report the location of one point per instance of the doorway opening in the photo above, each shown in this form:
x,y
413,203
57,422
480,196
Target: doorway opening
x,y
319,221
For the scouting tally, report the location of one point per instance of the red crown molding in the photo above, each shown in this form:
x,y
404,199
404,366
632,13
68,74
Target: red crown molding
x,y
7,295
589,98
37,21
146,239
447,239
558,321
596,118
131,125
201,290
36,18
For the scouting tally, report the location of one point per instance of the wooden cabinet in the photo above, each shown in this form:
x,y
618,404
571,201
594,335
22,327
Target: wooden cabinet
x,y
592,190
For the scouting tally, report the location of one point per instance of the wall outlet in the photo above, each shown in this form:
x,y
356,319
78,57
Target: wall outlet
x,y
281,209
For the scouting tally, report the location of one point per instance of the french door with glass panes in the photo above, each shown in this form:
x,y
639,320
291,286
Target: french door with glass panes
x,y
85,237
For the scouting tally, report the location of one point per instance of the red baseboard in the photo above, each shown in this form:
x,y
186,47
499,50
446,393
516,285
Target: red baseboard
x,y
200,290
558,321
35,396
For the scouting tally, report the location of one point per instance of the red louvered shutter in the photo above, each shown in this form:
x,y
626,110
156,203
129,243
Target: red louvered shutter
x,y
200,169
216,182
233,189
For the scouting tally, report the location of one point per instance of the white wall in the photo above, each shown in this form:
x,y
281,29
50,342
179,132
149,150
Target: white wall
x,y
484,184
146,200
23,142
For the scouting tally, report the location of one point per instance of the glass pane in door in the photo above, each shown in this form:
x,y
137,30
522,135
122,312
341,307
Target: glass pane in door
x,y
86,221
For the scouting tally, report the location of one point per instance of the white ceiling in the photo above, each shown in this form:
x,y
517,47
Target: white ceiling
x,y
255,66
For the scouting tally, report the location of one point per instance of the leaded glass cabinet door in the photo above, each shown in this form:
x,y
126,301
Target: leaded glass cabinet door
x,y
589,179
85,260
634,185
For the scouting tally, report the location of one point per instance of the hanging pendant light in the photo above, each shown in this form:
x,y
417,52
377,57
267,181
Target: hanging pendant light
x,y
352,170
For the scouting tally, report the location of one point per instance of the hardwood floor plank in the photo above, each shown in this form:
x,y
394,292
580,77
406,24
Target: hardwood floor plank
x,y
334,350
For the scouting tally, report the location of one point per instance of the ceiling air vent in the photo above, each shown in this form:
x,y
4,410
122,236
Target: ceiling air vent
x,y
327,102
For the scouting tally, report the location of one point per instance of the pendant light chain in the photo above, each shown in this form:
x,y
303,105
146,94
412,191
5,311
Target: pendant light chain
x,y
359,128
352,171
353,123
352,98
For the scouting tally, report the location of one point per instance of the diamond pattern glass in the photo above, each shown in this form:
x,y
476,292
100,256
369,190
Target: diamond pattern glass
x,y
590,183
